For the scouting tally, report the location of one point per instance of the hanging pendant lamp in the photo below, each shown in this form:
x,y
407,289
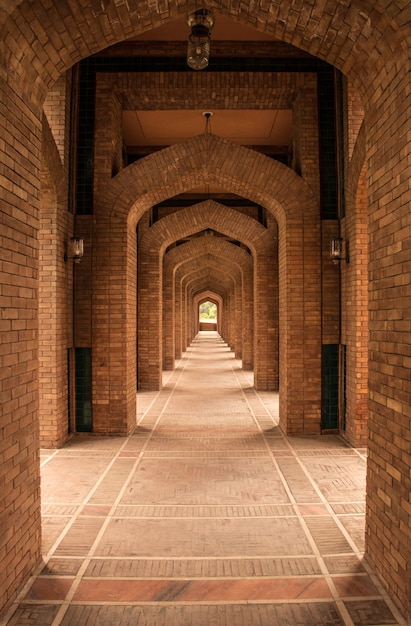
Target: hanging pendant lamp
x,y
198,50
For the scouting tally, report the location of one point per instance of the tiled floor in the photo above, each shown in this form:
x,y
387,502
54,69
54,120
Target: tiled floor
x,y
206,515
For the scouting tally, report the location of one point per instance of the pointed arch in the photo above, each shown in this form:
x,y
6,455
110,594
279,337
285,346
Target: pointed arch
x,y
246,173
198,251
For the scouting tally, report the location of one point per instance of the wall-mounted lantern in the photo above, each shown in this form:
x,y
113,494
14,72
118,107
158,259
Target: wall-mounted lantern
x,y
336,250
339,250
75,249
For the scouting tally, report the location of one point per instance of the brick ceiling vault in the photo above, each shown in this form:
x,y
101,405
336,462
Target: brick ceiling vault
x,y
355,39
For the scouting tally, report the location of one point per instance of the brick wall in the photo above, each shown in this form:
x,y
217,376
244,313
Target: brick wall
x,y
19,426
389,480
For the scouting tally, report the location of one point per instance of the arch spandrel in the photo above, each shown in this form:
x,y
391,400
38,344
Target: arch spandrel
x,y
208,214
181,168
228,269
207,246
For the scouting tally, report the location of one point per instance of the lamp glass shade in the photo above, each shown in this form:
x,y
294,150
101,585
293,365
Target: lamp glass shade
x,y
198,52
77,247
336,249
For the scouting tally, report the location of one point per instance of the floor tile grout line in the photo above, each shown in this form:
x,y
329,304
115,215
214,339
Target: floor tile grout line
x,y
196,603
45,558
147,409
359,553
347,535
49,458
81,505
228,577
258,418
69,596
333,589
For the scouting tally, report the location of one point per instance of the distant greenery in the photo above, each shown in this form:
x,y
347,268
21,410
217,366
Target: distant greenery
x,y
208,311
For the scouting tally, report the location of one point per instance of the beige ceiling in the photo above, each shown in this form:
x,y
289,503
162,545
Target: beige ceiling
x,y
247,127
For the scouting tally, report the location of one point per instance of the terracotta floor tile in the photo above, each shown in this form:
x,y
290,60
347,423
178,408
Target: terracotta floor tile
x,y
95,511
206,514
313,509
49,589
199,591
355,586
371,613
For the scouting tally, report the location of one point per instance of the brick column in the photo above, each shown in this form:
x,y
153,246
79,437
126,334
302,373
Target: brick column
x,y
388,532
54,294
20,548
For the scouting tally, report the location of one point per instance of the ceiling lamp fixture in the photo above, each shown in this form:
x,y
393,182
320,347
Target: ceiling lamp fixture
x,y
198,50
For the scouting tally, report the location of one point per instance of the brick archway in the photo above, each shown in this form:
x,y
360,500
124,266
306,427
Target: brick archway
x,y
366,32
277,188
219,277
196,253
176,226
217,280
189,221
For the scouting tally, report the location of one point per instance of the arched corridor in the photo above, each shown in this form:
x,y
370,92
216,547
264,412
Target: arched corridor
x,y
106,140
206,514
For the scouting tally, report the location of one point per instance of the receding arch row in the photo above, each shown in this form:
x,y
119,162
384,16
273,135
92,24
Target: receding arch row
x,y
211,272
236,225
185,222
244,172
230,257
220,278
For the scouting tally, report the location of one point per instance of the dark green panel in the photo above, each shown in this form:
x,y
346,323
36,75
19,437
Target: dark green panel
x,y
344,408
84,416
330,385
68,392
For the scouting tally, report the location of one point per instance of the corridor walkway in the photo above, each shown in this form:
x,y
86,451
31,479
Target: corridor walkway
x,y
206,515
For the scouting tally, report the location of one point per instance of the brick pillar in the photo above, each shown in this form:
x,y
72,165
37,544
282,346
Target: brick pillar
x,y
300,325
248,318
169,323
354,277
150,281
388,531
178,316
114,325
55,282
20,548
